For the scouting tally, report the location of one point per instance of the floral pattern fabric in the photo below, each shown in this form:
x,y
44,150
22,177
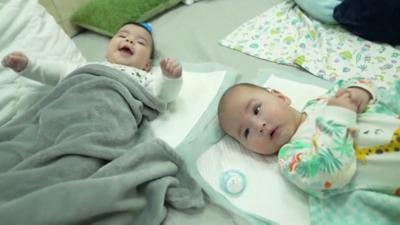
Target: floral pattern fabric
x,y
321,157
284,34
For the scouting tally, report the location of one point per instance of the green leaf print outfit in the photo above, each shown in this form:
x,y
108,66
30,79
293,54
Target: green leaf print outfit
x,y
321,158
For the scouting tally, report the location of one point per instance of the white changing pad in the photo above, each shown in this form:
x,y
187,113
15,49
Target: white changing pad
x,y
267,194
198,91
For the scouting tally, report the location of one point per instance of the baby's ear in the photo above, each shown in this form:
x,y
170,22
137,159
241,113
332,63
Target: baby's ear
x,y
148,66
280,95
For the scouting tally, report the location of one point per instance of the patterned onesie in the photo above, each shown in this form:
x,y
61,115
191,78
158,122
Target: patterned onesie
x,y
321,158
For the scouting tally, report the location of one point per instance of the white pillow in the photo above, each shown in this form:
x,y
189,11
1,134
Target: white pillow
x,y
267,193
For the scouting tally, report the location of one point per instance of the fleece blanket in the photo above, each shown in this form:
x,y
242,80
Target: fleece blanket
x,y
285,34
78,157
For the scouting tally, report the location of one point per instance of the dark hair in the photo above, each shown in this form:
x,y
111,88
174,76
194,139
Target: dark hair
x,y
151,34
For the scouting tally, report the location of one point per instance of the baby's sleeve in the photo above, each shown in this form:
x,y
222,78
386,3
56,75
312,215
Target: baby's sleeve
x,y
324,164
359,82
49,72
167,89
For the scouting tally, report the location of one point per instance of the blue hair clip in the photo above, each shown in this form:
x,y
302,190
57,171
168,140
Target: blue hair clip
x,y
147,26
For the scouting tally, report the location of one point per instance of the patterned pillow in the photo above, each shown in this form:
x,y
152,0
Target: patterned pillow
x,y
106,16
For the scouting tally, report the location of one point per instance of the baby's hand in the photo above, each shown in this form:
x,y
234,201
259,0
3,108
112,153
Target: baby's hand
x,y
17,61
170,68
343,101
359,97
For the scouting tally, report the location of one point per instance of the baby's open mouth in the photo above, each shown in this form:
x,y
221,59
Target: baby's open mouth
x,y
126,50
273,133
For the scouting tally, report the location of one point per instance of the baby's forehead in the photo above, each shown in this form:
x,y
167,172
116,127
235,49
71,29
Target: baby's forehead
x,y
245,88
133,28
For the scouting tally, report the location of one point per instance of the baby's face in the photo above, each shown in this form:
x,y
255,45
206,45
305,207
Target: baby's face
x,y
131,46
261,121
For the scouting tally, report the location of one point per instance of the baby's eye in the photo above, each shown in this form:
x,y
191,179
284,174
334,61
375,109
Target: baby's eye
x,y
122,36
246,133
257,109
141,43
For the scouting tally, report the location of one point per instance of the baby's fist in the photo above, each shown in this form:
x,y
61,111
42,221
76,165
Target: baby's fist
x,y
170,68
358,96
17,61
343,101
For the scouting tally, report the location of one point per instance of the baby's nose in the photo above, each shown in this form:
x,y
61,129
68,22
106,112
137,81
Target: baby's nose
x,y
262,127
130,41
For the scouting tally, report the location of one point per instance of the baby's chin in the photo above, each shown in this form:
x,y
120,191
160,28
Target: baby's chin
x,y
264,152
121,61
272,152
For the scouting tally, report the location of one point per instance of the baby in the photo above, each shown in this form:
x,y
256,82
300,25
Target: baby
x,y
315,147
130,50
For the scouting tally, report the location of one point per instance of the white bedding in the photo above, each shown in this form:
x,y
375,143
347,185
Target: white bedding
x,y
26,26
267,193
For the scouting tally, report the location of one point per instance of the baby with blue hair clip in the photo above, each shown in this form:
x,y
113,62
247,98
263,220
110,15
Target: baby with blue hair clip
x,y
131,50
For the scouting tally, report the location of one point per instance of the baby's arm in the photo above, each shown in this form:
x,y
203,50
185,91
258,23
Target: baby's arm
x,y
170,68
359,93
169,84
324,163
44,71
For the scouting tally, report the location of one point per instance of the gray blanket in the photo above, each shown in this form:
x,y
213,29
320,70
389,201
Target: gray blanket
x,y
75,158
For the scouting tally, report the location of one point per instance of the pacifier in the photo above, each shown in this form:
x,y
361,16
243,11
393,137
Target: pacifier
x,y
233,182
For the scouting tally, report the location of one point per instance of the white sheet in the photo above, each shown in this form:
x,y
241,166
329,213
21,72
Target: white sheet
x,y
267,193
